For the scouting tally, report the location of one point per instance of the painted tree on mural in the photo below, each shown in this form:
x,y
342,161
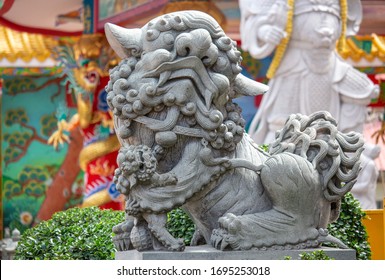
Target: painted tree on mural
x,y
59,192
23,85
19,142
32,181
53,184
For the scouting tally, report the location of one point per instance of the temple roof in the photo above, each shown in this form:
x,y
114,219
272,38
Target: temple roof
x,y
24,50
33,49
25,46
367,50
16,47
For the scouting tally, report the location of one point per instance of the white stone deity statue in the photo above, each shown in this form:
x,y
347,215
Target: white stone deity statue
x,y
306,74
364,190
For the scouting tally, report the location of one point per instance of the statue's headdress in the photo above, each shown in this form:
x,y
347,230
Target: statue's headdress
x,y
328,6
349,14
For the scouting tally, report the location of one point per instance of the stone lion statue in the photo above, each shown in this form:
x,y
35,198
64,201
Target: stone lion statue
x,y
183,144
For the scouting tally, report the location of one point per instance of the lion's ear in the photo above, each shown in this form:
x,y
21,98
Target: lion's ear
x,y
125,42
244,86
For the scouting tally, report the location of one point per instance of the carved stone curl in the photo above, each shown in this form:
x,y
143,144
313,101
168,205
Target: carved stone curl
x,y
184,145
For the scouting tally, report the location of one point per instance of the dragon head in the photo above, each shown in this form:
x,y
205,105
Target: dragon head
x,y
86,61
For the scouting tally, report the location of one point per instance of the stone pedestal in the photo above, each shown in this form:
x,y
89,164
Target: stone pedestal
x,y
207,252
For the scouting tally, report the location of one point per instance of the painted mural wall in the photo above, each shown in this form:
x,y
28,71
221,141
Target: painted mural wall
x,y
37,180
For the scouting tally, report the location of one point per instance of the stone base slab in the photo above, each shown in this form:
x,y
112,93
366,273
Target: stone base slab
x,y
206,252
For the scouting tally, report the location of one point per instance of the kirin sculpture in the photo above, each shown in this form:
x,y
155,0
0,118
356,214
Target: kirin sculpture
x,y
184,145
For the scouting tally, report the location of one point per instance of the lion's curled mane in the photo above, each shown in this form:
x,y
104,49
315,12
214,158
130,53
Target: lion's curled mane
x,y
184,144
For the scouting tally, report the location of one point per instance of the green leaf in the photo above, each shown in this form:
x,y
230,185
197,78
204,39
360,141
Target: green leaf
x,y
350,229
74,234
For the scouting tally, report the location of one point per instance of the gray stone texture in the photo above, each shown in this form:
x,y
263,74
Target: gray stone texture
x,y
184,145
206,252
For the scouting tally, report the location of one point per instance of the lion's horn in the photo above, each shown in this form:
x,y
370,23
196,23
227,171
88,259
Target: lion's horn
x,y
125,42
245,86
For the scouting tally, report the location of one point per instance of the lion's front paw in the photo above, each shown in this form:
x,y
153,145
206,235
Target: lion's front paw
x,y
219,239
122,231
230,223
228,235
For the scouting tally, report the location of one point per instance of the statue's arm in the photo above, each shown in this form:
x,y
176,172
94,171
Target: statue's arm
x,y
354,87
261,31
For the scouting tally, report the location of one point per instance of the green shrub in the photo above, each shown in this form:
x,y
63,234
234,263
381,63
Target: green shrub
x,y
180,225
86,233
74,234
350,229
315,255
